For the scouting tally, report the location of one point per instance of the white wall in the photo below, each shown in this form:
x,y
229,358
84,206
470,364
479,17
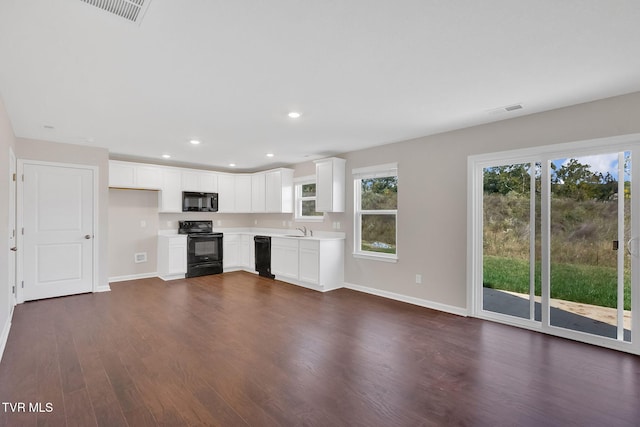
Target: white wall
x,y
133,228
432,193
7,140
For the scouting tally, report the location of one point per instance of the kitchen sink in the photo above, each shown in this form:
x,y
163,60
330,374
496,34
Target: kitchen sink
x,y
294,235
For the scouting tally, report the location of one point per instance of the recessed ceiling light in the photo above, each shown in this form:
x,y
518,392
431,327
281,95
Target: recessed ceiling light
x,y
194,141
166,156
232,165
270,154
293,115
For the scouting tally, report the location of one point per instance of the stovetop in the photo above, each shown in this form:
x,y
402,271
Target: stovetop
x,y
195,227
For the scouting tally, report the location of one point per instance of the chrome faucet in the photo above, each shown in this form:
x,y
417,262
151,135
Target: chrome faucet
x,y
303,230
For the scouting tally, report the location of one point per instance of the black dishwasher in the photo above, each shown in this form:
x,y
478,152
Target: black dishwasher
x,y
263,256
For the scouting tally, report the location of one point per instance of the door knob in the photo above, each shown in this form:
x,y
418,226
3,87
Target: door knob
x,y
14,249
87,236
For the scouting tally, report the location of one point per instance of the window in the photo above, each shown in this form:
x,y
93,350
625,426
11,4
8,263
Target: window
x,y
376,212
306,200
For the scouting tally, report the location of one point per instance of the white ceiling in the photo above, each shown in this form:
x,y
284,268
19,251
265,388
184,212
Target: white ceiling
x,y
361,72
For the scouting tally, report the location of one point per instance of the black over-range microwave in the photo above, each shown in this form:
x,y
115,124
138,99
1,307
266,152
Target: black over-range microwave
x,y
199,202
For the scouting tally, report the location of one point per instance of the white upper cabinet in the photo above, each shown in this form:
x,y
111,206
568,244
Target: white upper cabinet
x,y
258,188
330,185
269,191
199,181
279,190
134,175
226,193
171,191
243,193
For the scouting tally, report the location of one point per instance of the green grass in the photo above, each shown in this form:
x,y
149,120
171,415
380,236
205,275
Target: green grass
x,y
570,282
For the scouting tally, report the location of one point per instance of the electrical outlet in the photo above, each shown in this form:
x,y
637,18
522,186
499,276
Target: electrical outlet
x,y
219,223
143,223
140,257
419,279
255,222
338,225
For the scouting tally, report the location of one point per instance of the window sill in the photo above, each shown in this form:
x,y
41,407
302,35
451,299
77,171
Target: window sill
x,y
310,219
383,258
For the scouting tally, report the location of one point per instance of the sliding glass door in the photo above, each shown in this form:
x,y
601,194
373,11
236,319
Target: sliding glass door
x,y
554,244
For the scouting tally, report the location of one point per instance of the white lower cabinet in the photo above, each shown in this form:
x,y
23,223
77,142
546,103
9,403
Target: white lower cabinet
x,y
315,264
284,258
309,262
172,256
247,252
230,251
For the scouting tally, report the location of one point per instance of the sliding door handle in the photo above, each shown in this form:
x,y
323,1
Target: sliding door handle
x,y
14,249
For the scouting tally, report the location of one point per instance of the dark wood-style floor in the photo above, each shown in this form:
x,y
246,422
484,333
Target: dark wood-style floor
x,y
237,350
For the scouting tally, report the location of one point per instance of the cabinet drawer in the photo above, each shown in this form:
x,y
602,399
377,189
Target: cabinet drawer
x,y
286,243
312,245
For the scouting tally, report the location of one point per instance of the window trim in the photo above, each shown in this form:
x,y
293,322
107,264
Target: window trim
x,y
379,171
298,199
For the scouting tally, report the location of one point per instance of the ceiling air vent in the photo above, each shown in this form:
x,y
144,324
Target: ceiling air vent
x,y
131,10
506,109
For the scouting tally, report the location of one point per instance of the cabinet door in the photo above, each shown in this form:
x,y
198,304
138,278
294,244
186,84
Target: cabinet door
x,y
171,191
208,182
247,252
190,180
330,185
226,193
243,193
273,191
177,258
284,258
230,251
258,198
148,177
309,268
122,174
324,187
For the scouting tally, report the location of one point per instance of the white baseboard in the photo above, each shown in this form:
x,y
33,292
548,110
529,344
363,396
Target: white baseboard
x,y
131,277
105,288
5,334
411,300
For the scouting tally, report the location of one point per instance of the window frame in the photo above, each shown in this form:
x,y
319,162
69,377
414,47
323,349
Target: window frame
x,y
379,171
298,199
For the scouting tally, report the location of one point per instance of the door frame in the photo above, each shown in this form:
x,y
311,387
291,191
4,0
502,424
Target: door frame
x,y
13,183
20,220
475,166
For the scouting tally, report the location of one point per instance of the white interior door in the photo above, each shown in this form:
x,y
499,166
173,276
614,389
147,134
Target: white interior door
x,y
13,247
58,230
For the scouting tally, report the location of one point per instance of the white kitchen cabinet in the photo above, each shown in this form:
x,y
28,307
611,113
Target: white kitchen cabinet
x,y
258,197
226,193
279,190
243,193
321,263
231,251
284,258
247,252
309,261
330,185
199,181
122,174
172,256
171,191
134,175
